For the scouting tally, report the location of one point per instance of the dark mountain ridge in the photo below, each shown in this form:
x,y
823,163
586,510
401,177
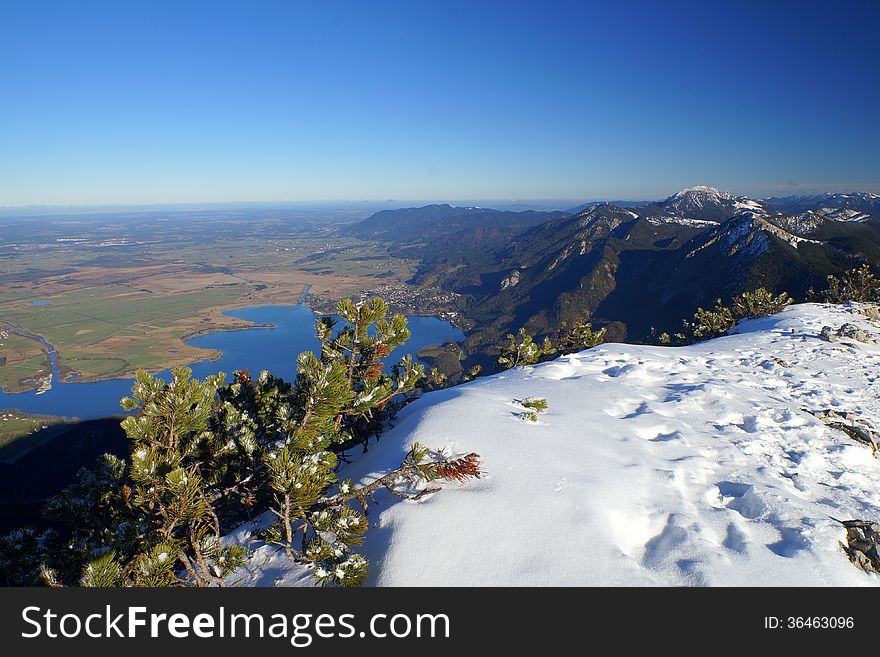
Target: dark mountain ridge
x,y
416,224
633,268
863,202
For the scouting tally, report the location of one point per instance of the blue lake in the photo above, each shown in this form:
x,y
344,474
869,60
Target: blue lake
x,y
274,349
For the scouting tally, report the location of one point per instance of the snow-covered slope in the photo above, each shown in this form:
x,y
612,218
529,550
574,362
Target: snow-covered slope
x,y
709,203
653,466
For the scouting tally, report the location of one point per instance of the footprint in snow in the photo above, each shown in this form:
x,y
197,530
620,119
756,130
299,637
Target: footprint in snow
x,y
791,542
736,540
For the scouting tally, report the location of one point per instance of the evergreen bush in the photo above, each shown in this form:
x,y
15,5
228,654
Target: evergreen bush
x,y
759,303
860,285
579,337
207,455
522,349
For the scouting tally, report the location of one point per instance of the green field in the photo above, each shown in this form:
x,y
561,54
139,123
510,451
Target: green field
x,y
16,427
107,311
21,358
110,330
114,309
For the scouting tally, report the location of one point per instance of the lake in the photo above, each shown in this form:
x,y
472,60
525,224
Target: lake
x,y
274,349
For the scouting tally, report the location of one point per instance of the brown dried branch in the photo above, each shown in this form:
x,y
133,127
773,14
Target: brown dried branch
x,y
458,469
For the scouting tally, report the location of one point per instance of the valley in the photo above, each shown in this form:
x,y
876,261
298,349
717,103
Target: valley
x,y
110,300
114,292
462,295
639,268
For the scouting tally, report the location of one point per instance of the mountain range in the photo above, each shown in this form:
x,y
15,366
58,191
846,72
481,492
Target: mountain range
x,y
634,269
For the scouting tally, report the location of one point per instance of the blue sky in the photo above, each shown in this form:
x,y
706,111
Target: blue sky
x,y
153,102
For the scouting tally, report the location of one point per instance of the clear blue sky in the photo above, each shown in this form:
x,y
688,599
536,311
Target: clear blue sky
x,y
153,101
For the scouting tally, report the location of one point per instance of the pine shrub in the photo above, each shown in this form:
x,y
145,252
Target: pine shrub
x,y
207,455
759,303
522,349
579,337
707,324
860,285
534,406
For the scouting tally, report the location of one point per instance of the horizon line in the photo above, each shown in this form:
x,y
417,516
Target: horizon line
x,y
805,190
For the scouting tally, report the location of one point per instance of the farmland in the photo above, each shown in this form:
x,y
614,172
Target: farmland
x,y
114,293
15,426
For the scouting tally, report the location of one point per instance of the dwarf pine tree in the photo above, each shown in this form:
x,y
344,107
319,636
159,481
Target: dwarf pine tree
x,y
521,349
708,324
579,337
859,285
534,406
759,303
173,479
150,520
472,373
339,398
206,455
434,380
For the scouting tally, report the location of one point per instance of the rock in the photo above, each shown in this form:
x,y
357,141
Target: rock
x,y
511,280
846,332
863,544
856,428
853,332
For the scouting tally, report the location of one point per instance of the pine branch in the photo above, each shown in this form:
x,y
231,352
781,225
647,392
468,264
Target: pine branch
x,y
459,469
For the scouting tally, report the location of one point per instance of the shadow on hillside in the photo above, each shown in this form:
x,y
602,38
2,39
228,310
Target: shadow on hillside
x,y
52,465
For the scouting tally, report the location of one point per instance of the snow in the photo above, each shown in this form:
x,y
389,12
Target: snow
x,y
781,233
701,190
811,220
653,465
741,235
658,220
699,197
799,224
845,214
749,205
745,233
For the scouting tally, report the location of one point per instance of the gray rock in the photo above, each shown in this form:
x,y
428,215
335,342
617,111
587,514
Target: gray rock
x,y
863,544
855,427
511,280
853,332
846,332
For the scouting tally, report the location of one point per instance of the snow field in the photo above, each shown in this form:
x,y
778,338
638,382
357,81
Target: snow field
x,y
652,466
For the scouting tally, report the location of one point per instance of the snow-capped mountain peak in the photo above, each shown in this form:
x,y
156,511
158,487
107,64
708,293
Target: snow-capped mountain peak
x,y
708,203
701,193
